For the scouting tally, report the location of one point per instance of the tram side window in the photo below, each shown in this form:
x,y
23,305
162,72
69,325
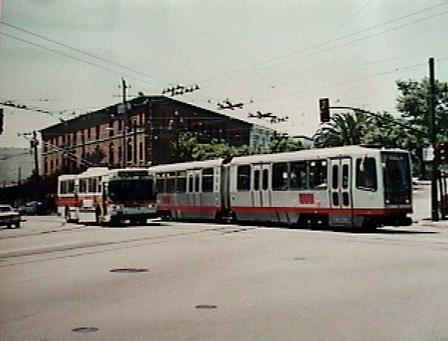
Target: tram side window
x,y
298,175
243,181
280,176
181,184
318,174
366,178
207,180
265,179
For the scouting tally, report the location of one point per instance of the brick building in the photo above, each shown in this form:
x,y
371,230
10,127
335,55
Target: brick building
x,y
144,134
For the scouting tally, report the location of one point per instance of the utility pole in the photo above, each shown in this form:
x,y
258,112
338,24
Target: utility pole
x,y
433,141
125,124
34,143
134,126
19,176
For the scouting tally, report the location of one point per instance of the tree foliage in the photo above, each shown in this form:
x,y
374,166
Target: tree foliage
x,y
188,148
343,129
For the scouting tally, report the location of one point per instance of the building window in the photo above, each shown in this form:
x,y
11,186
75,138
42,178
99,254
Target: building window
x,y
140,151
120,125
111,129
88,134
120,153
45,166
97,132
129,150
111,155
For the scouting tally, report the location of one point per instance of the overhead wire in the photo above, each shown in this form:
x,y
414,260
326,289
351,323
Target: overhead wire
x,y
74,49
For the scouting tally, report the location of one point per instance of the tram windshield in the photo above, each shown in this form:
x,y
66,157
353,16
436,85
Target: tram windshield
x,y
131,190
397,178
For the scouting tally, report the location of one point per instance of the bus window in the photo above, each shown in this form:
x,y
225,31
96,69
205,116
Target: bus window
x,y
280,176
243,181
170,183
160,183
82,185
366,174
207,180
297,175
318,174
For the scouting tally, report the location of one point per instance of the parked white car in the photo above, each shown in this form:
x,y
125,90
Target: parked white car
x,y
9,217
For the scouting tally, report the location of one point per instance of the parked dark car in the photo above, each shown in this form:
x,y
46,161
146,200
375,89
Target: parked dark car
x,y
32,208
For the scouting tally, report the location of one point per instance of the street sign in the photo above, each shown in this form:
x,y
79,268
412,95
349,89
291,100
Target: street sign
x,y
428,154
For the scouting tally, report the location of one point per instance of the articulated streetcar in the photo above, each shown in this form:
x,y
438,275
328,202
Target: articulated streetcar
x,y
349,186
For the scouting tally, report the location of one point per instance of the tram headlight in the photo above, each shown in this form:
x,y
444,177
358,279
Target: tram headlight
x,y
116,208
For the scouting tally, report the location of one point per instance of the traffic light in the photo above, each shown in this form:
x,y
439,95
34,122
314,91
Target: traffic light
x,y
1,121
443,152
324,106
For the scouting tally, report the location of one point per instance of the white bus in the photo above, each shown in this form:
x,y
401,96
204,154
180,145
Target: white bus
x,y
67,199
113,196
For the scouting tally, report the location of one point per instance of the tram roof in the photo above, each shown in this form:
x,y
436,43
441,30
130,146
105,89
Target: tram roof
x,y
309,154
186,165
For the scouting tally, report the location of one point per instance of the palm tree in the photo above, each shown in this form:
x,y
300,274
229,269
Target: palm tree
x,y
343,129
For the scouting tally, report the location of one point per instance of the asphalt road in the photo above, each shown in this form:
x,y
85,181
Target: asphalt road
x,y
221,282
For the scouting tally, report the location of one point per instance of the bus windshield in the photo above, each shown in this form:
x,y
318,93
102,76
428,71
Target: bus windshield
x,y
397,178
131,190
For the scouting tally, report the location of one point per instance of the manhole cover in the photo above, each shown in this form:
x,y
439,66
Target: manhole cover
x,y
85,330
128,270
299,258
206,306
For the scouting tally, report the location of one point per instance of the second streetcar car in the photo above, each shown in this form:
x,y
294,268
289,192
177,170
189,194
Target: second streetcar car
x,y
349,186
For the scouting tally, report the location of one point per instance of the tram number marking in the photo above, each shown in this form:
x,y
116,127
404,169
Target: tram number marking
x,y
306,198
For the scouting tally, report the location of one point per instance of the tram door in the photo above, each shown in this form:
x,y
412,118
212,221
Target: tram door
x,y
340,187
261,187
193,191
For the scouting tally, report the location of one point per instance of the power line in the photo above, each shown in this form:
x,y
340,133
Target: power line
x,y
75,49
68,55
330,41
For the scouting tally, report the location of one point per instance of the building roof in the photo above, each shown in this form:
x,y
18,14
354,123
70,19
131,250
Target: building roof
x,y
109,113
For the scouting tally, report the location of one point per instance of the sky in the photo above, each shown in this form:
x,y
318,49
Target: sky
x,y
274,56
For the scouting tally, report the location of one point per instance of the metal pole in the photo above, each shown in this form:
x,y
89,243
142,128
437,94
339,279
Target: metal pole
x,y
125,125
433,141
34,143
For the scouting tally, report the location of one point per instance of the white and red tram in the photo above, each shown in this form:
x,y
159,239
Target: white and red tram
x,y
349,186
